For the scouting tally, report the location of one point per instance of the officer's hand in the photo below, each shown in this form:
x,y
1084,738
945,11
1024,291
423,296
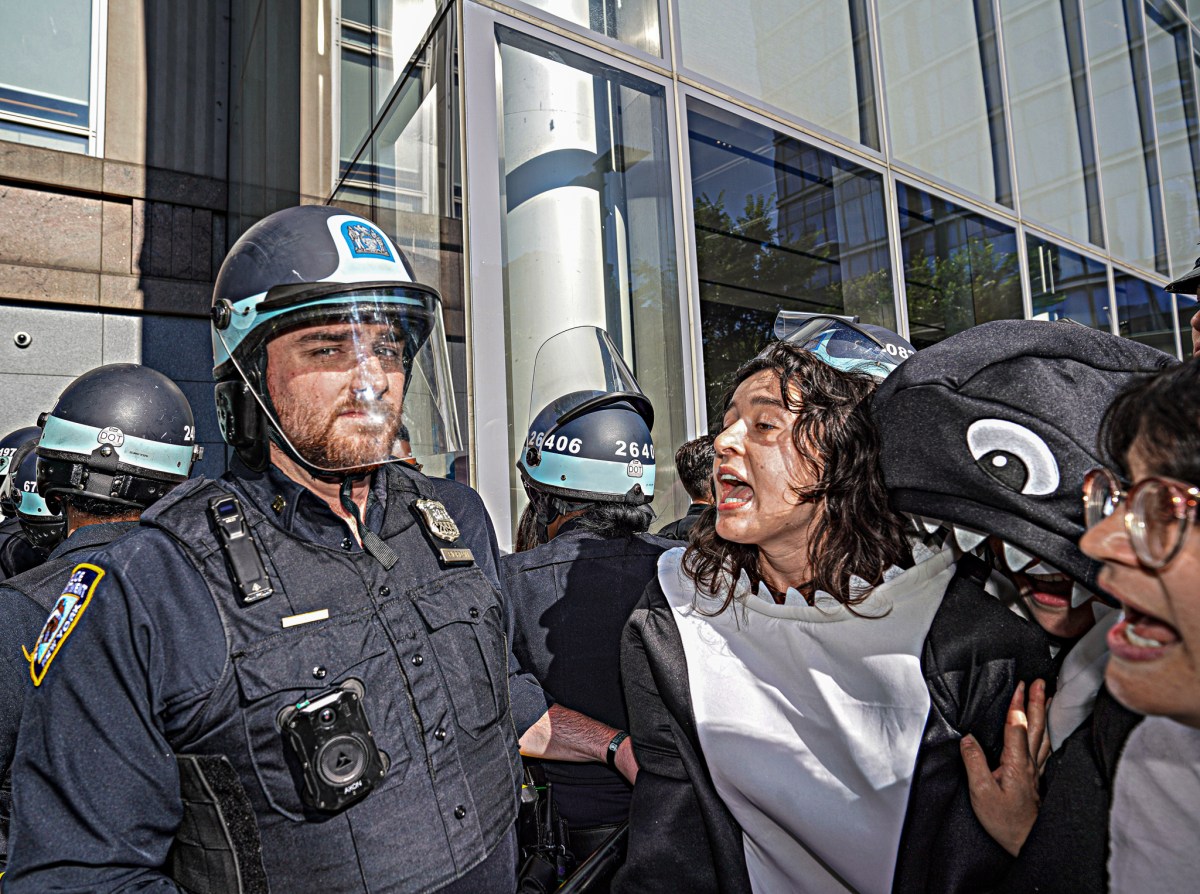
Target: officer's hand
x,y
1006,800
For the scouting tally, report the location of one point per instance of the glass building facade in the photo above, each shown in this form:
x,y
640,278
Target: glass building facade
x,y
676,171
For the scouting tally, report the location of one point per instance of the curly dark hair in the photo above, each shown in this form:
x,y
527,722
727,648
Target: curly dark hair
x,y
1161,413
694,463
835,437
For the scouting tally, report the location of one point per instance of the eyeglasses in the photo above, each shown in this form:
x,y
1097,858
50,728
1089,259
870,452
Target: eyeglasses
x,y
1158,512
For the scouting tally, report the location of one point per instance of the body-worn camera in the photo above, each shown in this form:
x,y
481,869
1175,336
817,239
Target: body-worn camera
x,y
331,740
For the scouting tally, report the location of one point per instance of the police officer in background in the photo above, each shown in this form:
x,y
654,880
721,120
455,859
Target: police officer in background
x,y
17,554
588,469
694,462
299,668
122,415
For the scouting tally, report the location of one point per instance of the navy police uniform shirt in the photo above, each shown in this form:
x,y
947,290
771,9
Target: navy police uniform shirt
x,y
569,600
25,602
162,659
17,554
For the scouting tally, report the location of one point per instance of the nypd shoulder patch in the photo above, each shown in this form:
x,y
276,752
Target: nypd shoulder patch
x,y
66,614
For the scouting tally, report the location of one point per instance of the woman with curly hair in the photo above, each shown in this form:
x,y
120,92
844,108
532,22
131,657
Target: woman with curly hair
x,y
774,671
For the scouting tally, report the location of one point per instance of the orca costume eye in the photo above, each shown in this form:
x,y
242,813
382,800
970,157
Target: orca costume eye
x,y
1013,455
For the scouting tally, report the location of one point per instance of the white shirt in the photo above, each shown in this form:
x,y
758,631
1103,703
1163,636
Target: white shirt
x,y
1154,826
810,718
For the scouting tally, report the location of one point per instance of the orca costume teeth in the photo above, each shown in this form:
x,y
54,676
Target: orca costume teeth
x,y
967,539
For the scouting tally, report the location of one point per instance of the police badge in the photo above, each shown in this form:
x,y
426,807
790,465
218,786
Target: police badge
x,y
441,527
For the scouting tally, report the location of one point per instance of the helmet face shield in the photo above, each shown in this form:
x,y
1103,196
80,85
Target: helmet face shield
x,y
841,343
577,365
349,379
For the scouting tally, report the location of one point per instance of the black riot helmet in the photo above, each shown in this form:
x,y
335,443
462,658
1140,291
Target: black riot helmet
x,y
590,440
121,434
9,445
319,273
44,527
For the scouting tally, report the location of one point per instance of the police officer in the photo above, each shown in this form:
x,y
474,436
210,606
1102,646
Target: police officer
x,y
300,667
117,414
17,554
588,469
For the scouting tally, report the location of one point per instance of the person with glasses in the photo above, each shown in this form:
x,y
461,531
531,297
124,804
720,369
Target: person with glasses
x,y
1141,514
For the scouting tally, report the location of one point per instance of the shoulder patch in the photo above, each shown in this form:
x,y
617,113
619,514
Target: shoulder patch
x,y
66,614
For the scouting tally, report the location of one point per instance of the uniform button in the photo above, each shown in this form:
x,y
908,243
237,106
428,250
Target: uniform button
x,y
418,660
440,734
347,543
385,591
474,612
460,812
319,672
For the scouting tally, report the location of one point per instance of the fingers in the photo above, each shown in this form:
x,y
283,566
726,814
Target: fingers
x,y
1016,753
1035,711
979,774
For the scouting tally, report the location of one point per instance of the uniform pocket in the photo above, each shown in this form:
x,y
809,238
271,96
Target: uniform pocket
x,y
462,616
291,667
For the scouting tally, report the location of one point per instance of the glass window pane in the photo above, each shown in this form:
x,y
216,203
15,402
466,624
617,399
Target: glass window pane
x,y
941,76
810,58
406,180
399,27
588,231
634,22
1052,126
46,60
1144,312
1125,132
780,225
13,132
1178,143
1067,285
355,108
960,268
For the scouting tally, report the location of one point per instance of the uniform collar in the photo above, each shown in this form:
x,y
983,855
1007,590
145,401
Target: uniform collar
x,y
92,537
297,510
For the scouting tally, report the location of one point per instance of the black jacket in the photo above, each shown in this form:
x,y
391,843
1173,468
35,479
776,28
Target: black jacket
x,y
682,837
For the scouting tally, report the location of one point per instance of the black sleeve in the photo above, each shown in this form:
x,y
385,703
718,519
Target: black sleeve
x,y
681,837
976,652
94,777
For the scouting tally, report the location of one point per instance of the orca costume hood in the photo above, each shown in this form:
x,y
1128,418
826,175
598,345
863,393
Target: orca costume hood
x,y
994,427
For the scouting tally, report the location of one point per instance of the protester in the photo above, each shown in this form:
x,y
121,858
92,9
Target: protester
x,y
984,434
773,671
1143,532
694,465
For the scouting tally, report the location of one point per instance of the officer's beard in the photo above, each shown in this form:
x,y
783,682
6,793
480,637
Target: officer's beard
x,y
333,441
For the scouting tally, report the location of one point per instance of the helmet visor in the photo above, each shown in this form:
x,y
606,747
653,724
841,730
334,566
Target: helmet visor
x,y
837,342
355,379
578,366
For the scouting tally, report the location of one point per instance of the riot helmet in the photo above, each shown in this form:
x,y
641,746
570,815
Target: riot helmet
x,y
324,344
9,445
44,527
843,343
121,434
590,438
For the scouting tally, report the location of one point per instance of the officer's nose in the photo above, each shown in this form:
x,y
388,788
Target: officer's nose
x,y
370,378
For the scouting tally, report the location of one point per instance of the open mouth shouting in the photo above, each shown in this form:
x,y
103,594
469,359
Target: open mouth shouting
x,y
1138,636
732,491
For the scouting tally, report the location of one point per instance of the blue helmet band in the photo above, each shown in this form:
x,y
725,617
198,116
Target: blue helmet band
x,y
247,324
66,439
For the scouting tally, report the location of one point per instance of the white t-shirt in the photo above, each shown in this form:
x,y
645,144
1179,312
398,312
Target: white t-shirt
x,y
1154,826
810,719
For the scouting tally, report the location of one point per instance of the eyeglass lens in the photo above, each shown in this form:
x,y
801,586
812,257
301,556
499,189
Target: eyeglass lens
x,y
1159,518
